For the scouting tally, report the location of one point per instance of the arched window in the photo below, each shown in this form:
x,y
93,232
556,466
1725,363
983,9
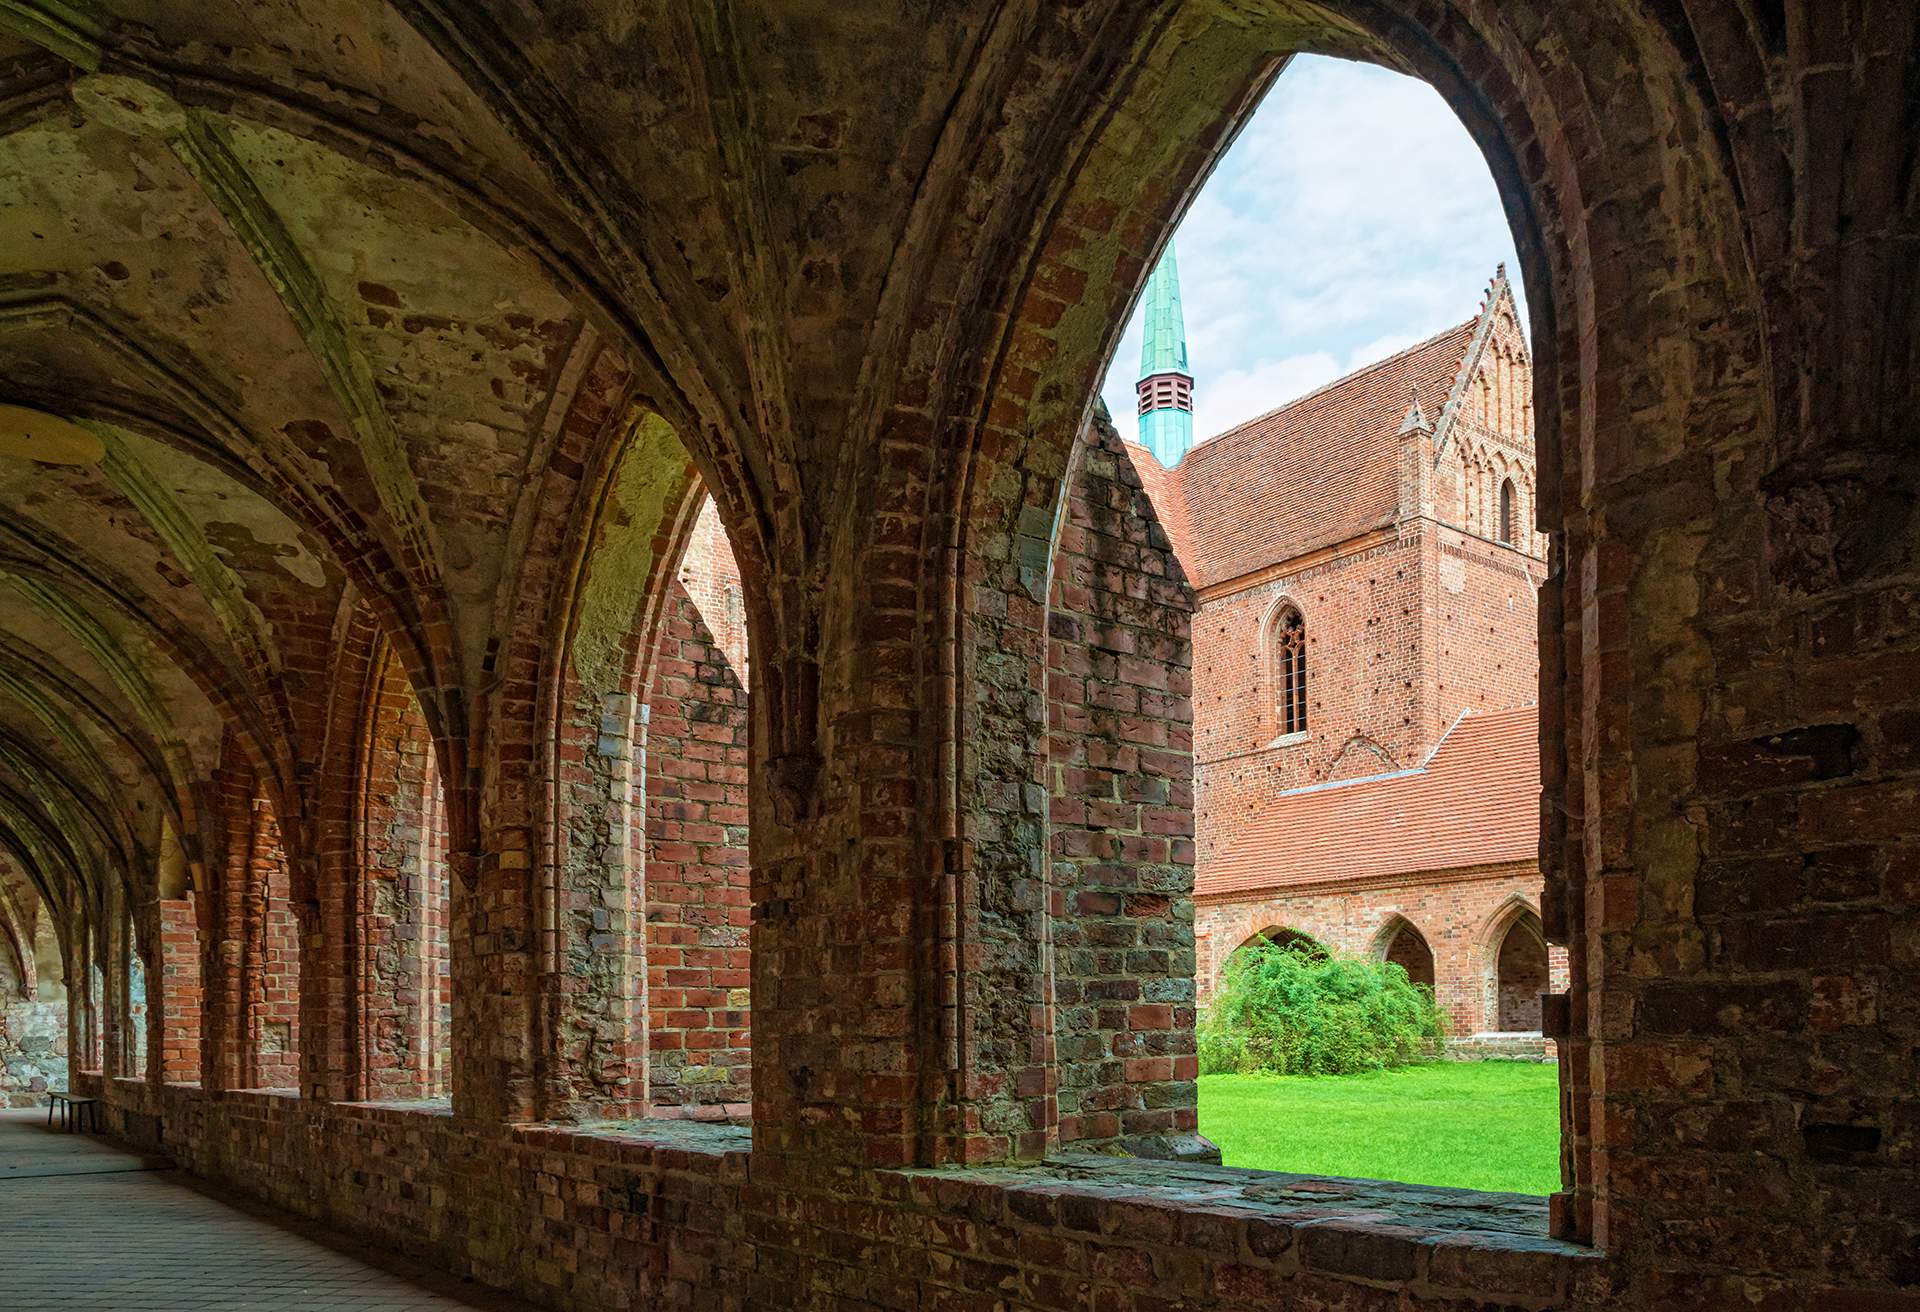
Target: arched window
x,y
1507,525
1290,670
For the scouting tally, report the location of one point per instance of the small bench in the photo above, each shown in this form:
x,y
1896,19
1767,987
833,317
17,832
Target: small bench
x,y
73,1111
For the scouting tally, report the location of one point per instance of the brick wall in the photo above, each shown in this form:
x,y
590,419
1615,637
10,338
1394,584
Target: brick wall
x,y
1402,636
671,1214
1366,698
1119,784
181,995
273,965
402,975
695,866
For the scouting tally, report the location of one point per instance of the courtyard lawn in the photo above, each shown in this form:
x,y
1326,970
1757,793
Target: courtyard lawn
x,y
1473,1125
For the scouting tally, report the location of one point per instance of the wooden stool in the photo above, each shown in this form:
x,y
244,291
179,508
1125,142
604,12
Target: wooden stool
x,y
74,1112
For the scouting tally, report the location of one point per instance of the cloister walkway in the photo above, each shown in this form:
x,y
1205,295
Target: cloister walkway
x,y
86,1224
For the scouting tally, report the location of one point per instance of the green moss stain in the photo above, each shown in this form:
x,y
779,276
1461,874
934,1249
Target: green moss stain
x,y
651,473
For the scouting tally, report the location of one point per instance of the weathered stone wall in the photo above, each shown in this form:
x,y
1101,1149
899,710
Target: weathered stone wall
x,y
33,1028
1120,788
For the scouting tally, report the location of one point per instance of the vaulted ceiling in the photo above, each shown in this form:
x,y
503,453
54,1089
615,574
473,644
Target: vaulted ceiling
x,y
317,280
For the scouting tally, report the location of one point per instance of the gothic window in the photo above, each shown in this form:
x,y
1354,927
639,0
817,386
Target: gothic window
x,y
1290,670
1507,517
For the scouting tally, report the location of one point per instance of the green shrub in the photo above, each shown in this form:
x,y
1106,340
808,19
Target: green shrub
x,y
1298,1010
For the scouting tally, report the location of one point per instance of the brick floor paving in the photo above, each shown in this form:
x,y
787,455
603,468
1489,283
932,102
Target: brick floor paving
x,y
86,1224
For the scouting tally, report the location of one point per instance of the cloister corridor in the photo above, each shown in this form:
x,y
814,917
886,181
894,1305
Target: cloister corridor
x,y
88,1225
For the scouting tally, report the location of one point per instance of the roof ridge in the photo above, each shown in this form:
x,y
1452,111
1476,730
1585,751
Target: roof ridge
x,y
1341,381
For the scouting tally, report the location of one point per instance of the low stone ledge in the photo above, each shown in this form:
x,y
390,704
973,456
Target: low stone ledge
x,y
1373,1232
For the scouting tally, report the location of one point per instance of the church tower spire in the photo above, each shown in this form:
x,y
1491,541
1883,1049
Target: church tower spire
x,y
1165,386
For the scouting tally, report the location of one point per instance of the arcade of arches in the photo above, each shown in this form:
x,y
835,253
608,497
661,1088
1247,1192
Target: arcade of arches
x,y
405,841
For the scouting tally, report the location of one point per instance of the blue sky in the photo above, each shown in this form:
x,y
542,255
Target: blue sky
x,y
1353,216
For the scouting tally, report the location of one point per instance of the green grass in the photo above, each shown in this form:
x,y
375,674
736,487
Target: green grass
x,y
1474,1125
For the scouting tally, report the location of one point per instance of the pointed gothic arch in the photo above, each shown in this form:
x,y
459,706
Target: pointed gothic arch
x,y
1515,967
1286,644
1401,942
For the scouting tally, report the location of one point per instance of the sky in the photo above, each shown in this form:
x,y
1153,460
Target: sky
x,y
1352,217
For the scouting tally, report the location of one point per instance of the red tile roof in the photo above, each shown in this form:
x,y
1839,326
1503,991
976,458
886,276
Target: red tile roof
x,y
1168,496
1475,801
1316,471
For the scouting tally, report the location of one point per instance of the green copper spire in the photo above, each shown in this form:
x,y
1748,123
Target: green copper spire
x,y
1164,348
1165,386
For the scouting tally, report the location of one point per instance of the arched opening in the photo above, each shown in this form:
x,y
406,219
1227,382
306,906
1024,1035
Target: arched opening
x,y
1407,948
33,996
256,968
1325,792
401,901
1287,940
1520,975
690,789
134,1016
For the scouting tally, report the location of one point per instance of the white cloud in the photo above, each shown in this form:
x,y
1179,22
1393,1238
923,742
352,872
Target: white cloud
x,y
1240,394
1353,217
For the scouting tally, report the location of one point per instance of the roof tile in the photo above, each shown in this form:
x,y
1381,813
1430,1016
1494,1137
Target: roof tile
x,y
1475,801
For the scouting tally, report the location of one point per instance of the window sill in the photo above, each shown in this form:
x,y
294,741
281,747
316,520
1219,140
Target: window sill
x,y
1289,739
1373,1230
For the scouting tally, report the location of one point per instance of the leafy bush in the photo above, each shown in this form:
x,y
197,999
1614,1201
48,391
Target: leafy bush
x,y
1295,1009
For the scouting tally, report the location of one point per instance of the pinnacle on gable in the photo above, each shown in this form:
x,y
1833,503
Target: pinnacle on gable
x,y
1415,419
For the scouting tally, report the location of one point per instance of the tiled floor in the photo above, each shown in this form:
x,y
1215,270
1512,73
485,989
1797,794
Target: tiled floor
x,y
87,1225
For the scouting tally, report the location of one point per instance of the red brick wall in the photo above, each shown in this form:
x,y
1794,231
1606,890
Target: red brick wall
x,y
1463,919
1401,637
695,864
180,992
1365,627
1119,780
273,961
1482,647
